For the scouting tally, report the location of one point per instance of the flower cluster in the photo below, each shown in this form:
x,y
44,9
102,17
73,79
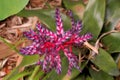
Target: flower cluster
x,y
49,44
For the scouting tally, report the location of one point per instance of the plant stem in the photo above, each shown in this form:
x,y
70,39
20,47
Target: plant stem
x,y
34,73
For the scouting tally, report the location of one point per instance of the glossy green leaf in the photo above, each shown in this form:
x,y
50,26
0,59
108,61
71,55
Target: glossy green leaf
x,y
39,75
47,17
75,73
76,6
112,14
70,4
94,17
12,73
27,60
10,7
100,75
106,63
36,74
20,75
88,78
80,77
111,42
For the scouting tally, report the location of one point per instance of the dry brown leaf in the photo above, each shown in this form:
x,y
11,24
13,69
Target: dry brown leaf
x,y
37,3
91,47
5,51
55,3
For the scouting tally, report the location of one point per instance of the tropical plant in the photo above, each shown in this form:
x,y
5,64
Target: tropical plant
x,y
99,59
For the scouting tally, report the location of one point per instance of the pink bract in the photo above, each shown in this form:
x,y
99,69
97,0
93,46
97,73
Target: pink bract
x,y
49,44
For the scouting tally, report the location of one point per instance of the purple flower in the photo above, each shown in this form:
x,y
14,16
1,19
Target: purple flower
x,y
49,44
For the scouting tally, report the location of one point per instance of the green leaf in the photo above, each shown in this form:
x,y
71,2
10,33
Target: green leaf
x,y
94,17
106,63
27,60
112,42
75,73
12,73
112,14
39,75
20,75
100,75
36,74
10,7
80,77
70,4
76,6
47,17
88,78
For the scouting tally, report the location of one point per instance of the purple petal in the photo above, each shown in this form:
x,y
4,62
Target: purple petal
x,y
72,19
59,23
73,61
45,64
31,35
78,27
83,38
30,50
44,31
58,64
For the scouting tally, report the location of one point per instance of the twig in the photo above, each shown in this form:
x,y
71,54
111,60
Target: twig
x,y
91,47
103,35
2,25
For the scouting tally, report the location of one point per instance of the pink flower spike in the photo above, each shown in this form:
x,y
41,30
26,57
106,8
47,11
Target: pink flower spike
x,y
78,27
72,19
49,44
59,24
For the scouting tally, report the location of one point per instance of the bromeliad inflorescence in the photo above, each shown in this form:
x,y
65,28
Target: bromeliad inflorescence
x,y
49,44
